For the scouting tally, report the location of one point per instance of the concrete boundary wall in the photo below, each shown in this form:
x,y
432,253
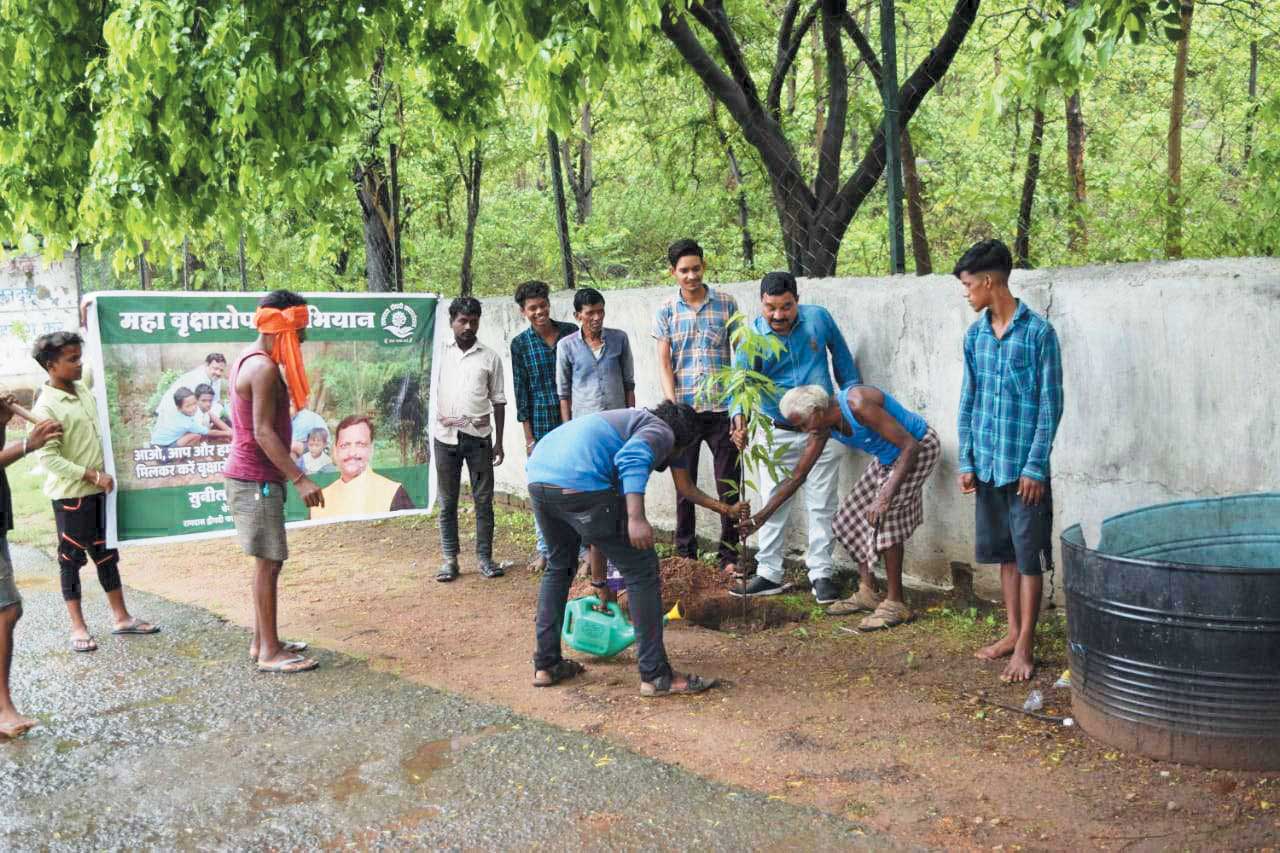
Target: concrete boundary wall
x,y
1171,373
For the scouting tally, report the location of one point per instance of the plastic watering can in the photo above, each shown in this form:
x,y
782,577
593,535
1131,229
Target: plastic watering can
x,y
600,634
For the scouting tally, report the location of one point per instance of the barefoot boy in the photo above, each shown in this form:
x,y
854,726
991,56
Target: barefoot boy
x,y
78,486
12,723
1010,405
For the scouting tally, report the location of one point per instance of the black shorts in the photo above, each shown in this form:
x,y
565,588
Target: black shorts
x,y
1010,531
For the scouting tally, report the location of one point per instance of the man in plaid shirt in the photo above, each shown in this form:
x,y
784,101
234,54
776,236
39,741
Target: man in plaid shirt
x,y
533,371
692,329
1010,406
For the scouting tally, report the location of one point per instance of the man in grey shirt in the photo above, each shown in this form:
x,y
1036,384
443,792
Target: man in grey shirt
x,y
594,373
594,369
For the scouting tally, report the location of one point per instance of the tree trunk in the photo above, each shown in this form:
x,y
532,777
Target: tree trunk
x,y
735,182
1077,228
374,196
819,111
1252,113
915,207
471,168
393,157
1022,243
1177,105
145,273
562,215
581,177
813,218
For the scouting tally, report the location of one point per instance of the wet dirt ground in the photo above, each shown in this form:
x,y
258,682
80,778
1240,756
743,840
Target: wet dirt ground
x,y
899,732
173,741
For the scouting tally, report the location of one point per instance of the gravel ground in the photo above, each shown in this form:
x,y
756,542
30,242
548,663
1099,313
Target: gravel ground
x,y
174,741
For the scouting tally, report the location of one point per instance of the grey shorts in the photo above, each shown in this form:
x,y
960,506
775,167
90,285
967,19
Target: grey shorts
x,y
8,587
1009,531
257,509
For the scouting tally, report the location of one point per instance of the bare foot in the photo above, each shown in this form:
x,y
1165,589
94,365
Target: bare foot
x,y
999,649
1020,667
290,647
13,724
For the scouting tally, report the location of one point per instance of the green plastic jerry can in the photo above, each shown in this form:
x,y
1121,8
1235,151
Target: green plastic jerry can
x,y
592,632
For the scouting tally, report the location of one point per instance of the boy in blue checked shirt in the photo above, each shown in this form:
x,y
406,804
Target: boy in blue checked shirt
x,y
533,375
1010,406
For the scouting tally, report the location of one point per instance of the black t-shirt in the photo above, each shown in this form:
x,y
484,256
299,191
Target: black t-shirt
x,y
6,503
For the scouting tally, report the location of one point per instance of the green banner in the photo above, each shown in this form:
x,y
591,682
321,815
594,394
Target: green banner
x,y
164,362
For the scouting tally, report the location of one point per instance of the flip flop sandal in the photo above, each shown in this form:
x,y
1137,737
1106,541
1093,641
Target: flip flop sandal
x,y
297,663
888,615
89,645
291,647
562,671
137,626
661,686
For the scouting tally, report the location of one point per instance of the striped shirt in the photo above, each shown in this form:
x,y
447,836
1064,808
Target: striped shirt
x,y
1011,399
699,339
533,375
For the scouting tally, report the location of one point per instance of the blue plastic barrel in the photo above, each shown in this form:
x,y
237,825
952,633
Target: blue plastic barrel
x,y
1174,626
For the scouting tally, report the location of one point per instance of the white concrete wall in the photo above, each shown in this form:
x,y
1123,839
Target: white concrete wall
x,y
36,297
1171,373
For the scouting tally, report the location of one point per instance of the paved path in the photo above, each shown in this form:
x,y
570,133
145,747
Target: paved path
x,y
174,741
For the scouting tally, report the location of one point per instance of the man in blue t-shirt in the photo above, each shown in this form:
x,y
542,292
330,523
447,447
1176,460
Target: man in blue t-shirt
x,y
587,480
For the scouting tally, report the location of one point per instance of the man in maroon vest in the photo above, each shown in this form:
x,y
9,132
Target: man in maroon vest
x,y
260,463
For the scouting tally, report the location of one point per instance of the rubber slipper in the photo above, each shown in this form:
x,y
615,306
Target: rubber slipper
x,y
89,645
291,647
297,663
856,603
662,686
137,626
562,671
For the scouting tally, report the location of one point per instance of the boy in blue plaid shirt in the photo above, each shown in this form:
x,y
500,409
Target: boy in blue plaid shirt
x,y
1010,406
533,375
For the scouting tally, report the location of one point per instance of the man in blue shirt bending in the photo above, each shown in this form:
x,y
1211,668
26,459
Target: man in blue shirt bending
x,y
809,333
1010,406
587,480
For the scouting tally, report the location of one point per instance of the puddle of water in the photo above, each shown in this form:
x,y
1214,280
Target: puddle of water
x,y
62,747
154,702
435,755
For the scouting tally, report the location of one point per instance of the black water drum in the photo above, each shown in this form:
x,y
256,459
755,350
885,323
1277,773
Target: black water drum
x,y
1174,625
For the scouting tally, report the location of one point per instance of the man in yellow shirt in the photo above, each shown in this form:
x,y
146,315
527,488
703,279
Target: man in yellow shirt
x,y
78,486
358,490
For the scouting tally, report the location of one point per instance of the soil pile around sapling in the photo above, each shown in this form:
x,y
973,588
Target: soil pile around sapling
x,y
702,591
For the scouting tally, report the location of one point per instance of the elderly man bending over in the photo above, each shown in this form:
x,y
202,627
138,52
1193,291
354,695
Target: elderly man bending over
x,y
886,504
587,480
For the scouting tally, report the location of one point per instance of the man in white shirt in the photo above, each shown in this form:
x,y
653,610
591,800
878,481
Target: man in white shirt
x,y
470,405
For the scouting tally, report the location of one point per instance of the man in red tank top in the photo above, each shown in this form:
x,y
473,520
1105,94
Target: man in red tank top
x,y
260,463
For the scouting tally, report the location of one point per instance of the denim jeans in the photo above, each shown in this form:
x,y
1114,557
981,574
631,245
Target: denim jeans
x,y
477,453
601,517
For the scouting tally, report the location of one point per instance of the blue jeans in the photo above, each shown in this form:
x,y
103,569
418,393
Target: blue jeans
x,y
601,517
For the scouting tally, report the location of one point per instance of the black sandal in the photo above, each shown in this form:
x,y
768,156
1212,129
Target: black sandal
x,y
661,686
562,671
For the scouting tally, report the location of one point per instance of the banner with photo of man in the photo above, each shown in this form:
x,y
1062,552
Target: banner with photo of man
x,y
161,365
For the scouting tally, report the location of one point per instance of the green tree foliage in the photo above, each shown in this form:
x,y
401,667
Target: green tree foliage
x,y
129,122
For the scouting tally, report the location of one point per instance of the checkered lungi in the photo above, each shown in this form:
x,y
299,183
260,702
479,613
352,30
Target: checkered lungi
x,y
850,525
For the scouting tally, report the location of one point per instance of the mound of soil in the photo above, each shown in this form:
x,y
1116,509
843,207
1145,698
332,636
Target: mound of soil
x,y
703,595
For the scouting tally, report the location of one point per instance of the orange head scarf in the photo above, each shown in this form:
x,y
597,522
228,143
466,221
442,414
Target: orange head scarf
x,y
284,323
